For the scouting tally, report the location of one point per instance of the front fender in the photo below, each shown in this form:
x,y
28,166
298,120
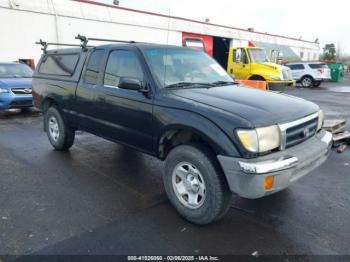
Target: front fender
x,y
170,118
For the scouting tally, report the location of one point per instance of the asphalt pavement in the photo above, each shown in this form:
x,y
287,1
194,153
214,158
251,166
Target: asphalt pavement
x,y
103,198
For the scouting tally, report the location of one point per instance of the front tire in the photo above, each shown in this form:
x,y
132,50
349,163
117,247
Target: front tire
x,y
307,81
60,135
257,78
195,184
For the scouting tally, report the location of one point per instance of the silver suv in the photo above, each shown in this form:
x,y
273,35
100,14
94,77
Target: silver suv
x,y
310,74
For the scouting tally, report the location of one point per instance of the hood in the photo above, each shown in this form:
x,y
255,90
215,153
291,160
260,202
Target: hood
x,y
260,108
271,65
15,82
274,66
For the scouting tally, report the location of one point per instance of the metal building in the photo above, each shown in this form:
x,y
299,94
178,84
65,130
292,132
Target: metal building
x,y
24,22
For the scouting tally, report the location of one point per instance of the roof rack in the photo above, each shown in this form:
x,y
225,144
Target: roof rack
x,y
84,40
46,44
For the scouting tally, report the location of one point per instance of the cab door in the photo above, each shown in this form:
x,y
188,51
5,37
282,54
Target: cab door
x,y
239,65
125,116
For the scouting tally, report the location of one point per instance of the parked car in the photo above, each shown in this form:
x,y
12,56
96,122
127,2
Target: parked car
x,y
310,74
180,106
15,86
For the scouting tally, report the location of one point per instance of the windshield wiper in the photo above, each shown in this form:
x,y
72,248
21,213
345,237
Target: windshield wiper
x,y
189,84
224,83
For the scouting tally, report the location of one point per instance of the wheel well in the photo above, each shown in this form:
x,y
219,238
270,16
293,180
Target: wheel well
x,y
48,102
257,78
174,137
45,105
307,76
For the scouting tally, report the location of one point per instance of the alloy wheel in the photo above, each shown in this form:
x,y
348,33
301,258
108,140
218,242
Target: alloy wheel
x,y
53,128
189,185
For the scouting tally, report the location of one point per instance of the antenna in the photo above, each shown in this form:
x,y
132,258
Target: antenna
x,y
166,49
167,36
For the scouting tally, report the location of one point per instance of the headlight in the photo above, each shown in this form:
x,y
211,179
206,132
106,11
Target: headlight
x,y
261,139
3,90
320,120
249,139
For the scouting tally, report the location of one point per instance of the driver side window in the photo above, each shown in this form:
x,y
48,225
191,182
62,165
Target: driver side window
x,y
237,55
122,63
240,56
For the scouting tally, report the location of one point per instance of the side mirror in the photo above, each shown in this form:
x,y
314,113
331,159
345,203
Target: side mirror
x,y
130,83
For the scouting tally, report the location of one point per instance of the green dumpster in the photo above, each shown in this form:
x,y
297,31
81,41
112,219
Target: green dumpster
x,y
337,71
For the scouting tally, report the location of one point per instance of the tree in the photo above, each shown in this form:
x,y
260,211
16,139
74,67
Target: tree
x,y
329,52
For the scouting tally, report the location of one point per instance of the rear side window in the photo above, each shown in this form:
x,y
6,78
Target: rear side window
x,y
59,64
318,66
296,67
122,63
93,67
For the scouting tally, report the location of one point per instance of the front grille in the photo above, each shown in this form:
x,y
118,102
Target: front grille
x,y
287,74
299,133
22,91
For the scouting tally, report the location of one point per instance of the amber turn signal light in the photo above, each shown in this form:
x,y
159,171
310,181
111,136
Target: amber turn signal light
x,y
269,180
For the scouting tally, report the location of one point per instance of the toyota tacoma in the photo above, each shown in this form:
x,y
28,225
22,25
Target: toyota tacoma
x,y
179,105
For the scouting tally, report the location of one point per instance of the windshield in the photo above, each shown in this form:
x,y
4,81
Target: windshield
x,y
15,71
258,55
179,67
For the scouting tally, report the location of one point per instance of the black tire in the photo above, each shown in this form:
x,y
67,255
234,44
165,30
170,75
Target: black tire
x,y
217,194
257,78
307,81
66,135
317,84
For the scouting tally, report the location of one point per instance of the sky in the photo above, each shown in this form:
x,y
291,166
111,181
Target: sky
x,y
308,19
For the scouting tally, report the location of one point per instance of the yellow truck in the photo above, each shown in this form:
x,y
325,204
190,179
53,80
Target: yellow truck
x,y
251,63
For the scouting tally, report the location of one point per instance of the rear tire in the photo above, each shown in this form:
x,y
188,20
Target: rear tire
x,y
307,81
60,135
317,84
195,184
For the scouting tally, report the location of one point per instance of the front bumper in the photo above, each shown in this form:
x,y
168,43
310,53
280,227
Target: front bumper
x,y
321,79
10,100
246,177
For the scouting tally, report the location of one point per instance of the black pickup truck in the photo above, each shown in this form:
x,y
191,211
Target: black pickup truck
x,y
180,106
